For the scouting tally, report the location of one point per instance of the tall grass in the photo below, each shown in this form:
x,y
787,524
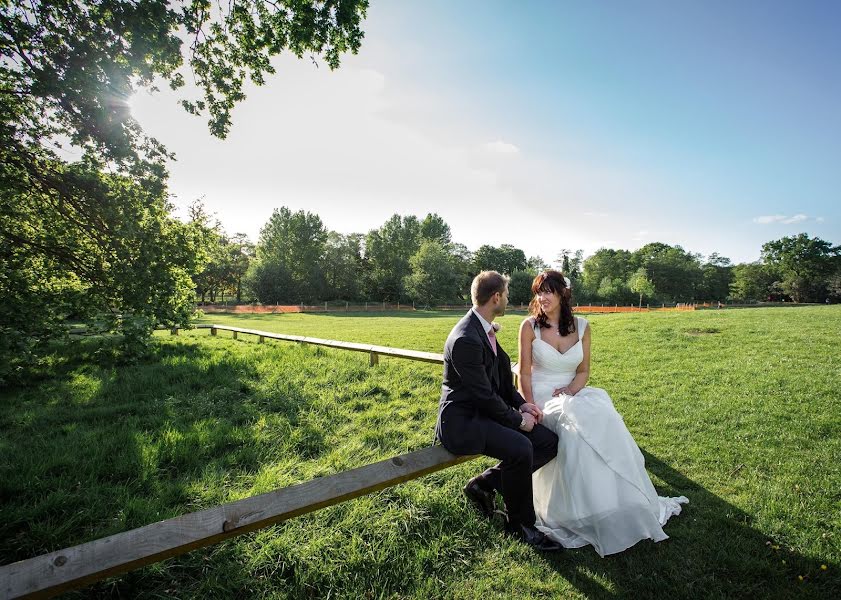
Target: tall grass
x,y
738,410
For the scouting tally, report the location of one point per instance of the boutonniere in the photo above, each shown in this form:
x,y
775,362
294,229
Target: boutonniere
x,y
496,326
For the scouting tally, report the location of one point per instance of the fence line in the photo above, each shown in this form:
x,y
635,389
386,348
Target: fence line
x,y
384,307
72,568
373,351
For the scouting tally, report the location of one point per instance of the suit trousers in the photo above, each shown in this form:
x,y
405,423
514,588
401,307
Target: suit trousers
x,y
521,453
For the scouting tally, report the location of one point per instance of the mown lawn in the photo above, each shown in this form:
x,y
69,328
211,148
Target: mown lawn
x,y
738,410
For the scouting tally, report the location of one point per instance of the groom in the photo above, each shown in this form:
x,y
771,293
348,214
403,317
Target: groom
x,y
481,413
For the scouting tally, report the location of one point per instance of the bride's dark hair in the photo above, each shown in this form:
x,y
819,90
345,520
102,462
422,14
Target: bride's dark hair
x,y
552,281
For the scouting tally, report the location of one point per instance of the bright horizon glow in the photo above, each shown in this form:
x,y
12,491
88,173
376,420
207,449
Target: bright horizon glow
x,y
714,127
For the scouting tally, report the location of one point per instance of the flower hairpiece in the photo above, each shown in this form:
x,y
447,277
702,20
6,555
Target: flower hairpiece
x,y
568,283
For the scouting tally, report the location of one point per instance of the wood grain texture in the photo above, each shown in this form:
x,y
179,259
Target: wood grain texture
x,y
49,574
418,355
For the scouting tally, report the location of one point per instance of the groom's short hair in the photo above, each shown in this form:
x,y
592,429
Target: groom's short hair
x,y
485,285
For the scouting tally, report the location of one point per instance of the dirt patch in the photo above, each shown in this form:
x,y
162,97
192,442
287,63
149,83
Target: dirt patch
x,y
704,331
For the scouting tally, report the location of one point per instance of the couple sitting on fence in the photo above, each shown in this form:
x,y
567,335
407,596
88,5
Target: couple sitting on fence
x,y
570,472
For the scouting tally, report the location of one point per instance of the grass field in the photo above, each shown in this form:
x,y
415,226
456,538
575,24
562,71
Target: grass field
x,y
738,410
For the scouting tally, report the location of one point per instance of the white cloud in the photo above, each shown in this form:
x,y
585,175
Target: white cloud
x,y
819,220
596,214
782,219
500,147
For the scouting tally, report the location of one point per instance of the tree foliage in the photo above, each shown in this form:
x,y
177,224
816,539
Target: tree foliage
x,y
519,287
288,268
436,274
639,283
97,247
96,235
752,282
805,265
388,250
505,258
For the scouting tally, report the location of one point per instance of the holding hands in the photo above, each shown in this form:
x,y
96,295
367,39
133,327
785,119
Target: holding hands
x,y
528,422
530,412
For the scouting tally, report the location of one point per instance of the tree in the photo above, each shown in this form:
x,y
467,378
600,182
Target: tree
x,y
675,273
804,263
639,283
434,278
612,290
752,282
506,259
834,286
536,264
608,264
433,228
388,250
211,238
67,71
342,266
716,275
241,253
290,248
129,268
463,263
570,263
519,287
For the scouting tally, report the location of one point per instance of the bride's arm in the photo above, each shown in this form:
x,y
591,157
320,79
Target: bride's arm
x,y
524,359
582,373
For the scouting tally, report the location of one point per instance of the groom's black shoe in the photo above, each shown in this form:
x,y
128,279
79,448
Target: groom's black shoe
x,y
531,536
481,499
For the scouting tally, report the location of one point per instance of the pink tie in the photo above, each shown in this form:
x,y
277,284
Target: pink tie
x,y
492,339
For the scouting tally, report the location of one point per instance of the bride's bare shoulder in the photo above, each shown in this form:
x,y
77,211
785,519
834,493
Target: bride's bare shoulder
x,y
527,325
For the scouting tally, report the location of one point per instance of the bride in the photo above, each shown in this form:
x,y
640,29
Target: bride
x,y
596,491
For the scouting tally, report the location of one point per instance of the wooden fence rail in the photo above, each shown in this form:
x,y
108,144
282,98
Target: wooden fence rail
x,y
373,350
50,574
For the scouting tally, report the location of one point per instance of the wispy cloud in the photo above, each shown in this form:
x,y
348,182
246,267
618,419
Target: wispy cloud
x,y
782,219
500,147
596,214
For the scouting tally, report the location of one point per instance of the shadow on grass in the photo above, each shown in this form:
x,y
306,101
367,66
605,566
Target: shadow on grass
x,y
713,551
95,450
98,450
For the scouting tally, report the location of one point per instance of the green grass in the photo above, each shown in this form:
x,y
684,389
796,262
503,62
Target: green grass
x,y
738,410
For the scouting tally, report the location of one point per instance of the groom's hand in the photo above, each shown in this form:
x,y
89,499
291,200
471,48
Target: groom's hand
x,y
528,422
533,410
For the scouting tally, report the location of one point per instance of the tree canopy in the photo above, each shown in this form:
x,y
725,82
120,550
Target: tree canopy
x,y
84,211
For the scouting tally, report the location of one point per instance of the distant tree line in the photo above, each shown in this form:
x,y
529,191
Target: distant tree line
x,y
407,259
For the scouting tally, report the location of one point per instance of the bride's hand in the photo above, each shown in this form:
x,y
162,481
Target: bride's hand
x,y
564,391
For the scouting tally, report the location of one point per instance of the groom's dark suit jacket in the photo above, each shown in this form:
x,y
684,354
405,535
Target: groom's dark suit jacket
x,y
477,383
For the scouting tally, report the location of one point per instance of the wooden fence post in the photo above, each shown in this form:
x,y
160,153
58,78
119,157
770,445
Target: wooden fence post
x,y
235,335
173,331
212,331
262,340
374,360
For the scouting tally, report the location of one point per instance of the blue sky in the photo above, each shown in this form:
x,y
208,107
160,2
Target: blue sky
x,y
546,125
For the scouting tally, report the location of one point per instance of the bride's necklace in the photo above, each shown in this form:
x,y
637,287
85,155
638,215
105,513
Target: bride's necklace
x,y
555,329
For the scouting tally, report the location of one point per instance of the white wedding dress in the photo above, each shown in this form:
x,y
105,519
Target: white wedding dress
x,y
596,491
